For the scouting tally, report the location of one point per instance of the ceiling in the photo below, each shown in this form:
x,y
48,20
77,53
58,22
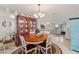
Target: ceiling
x,y
47,8
58,11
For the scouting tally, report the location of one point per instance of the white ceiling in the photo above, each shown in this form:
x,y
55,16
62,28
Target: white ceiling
x,y
47,8
53,11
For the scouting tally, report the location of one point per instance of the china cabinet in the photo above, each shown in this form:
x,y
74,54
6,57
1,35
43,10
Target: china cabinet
x,y
25,25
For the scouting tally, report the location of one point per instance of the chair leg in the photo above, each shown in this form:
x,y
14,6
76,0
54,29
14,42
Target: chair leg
x,y
46,48
51,49
4,47
38,50
35,50
22,50
44,52
25,49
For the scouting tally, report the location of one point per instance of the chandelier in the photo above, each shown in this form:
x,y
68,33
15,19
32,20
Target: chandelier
x,y
39,14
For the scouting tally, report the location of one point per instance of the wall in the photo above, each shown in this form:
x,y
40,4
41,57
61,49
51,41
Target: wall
x,y
8,19
49,19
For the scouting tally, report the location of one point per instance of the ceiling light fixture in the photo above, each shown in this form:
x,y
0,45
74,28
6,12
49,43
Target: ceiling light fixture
x,y
39,14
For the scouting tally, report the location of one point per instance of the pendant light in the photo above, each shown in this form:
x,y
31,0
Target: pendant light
x,y
39,14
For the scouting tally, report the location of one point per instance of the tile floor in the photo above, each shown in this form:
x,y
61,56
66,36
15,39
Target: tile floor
x,y
64,44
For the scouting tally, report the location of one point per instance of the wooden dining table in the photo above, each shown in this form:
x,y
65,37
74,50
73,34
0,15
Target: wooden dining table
x,y
35,38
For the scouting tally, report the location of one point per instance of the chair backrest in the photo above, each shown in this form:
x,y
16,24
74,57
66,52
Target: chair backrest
x,y
23,42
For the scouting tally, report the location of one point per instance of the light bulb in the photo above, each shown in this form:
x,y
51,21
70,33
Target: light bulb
x,y
39,13
42,15
35,15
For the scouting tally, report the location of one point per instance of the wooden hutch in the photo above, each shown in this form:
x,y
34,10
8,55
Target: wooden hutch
x,y
25,25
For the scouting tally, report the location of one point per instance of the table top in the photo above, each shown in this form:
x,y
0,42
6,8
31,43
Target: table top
x,y
35,38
